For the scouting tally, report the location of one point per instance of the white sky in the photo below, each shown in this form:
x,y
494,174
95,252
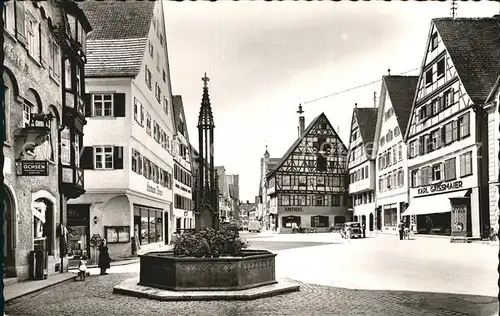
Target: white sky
x,y
264,58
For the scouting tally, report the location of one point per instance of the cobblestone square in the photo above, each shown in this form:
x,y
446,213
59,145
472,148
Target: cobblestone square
x,y
95,295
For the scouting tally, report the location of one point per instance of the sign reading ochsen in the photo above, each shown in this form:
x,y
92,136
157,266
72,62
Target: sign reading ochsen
x,y
440,187
34,168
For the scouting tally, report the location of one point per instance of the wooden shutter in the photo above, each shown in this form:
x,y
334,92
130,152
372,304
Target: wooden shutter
x,y
20,22
87,158
443,135
118,157
119,104
438,139
88,105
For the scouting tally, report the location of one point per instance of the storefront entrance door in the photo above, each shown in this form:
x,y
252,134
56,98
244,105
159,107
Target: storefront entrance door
x,y
379,218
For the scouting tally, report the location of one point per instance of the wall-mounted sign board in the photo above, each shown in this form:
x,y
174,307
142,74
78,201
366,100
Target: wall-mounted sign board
x,y
34,168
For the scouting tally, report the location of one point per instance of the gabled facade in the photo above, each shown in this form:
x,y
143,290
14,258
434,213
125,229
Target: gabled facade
x,y
183,198
44,60
447,132
492,107
361,165
129,171
310,182
396,99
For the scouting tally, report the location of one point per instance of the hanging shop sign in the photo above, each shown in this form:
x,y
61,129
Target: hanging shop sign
x,y
441,187
34,168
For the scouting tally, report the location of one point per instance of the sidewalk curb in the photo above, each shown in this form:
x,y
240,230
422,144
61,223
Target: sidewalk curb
x,y
112,264
69,278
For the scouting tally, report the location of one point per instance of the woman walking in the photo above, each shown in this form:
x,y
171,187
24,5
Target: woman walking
x,y
104,258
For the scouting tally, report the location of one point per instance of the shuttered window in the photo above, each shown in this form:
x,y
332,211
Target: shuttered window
x,y
20,22
450,169
466,164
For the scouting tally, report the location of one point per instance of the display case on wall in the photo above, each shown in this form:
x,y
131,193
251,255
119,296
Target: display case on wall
x,y
117,234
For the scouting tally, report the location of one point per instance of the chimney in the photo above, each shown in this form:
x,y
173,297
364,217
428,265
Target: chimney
x,y
301,121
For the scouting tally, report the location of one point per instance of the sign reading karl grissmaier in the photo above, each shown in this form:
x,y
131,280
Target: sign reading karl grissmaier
x,y
441,187
34,168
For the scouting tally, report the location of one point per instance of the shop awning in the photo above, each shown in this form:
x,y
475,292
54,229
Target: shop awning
x,y
439,203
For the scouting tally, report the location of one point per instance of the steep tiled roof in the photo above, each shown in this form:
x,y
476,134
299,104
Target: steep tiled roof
x,y
280,161
116,45
177,104
294,145
401,91
178,109
111,19
367,122
494,90
112,58
474,47
273,162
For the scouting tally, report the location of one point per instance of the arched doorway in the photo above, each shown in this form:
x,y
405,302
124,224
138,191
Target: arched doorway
x,y
9,233
44,225
370,222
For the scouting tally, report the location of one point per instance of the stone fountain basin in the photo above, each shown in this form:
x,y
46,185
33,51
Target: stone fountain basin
x,y
162,270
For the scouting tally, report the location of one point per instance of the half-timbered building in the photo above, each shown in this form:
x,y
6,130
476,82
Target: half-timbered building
x,y
493,110
447,133
362,165
396,99
44,61
310,181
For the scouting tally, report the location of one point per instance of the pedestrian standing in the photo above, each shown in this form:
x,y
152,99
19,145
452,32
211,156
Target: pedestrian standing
x,y
82,268
363,226
104,258
401,228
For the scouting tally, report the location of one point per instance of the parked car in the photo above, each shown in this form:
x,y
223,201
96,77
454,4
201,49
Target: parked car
x,y
352,230
254,226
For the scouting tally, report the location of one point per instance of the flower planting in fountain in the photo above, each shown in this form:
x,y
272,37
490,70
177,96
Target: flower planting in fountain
x,y
209,243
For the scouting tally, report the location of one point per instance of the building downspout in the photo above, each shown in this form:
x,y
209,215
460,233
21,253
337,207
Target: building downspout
x,y
61,195
483,176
